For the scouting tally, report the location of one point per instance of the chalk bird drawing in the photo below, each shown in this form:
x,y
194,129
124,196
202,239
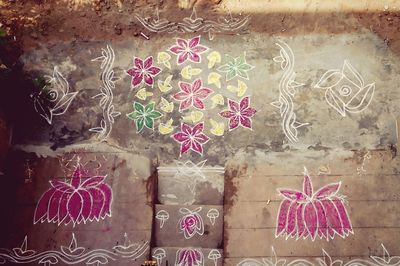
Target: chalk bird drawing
x,y
345,89
287,90
81,200
304,214
54,98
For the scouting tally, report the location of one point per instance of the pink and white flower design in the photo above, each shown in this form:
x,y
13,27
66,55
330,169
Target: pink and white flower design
x,y
239,113
192,95
191,223
307,214
188,50
189,257
78,201
191,138
143,70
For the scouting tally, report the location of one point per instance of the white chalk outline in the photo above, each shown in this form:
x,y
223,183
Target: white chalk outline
x,y
212,214
60,97
325,260
73,254
56,219
199,228
190,61
194,173
163,216
287,90
366,157
228,25
317,236
184,264
159,254
214,255
334,100
106,93
227,65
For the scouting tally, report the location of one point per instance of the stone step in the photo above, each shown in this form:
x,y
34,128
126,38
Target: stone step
x,y
122,230
187,183
202,226
181,256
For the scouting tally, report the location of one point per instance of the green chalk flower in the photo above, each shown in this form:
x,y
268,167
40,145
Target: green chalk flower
x,y
144,115
236,67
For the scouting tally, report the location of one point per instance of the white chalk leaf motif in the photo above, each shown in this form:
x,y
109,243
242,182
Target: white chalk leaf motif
x,y
54,99
288,88
345,89
106,94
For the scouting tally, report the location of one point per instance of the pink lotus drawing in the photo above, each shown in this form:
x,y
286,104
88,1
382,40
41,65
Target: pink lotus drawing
x,y
192,95
239,113
191,138
81,200
143,70
188,50
191,223
304,214
189,257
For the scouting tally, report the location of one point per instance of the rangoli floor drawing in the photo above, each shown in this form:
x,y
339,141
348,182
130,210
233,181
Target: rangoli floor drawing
x,y
200,132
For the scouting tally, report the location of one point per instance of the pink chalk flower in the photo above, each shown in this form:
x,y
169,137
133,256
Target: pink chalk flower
x,y
191,138
192,95
189,257
239,113
304,214
191,223
143,71
81,200
188,50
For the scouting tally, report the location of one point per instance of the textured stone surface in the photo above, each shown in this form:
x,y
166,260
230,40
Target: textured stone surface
x,y
28,178
327,130
175,187
371,194
357,149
